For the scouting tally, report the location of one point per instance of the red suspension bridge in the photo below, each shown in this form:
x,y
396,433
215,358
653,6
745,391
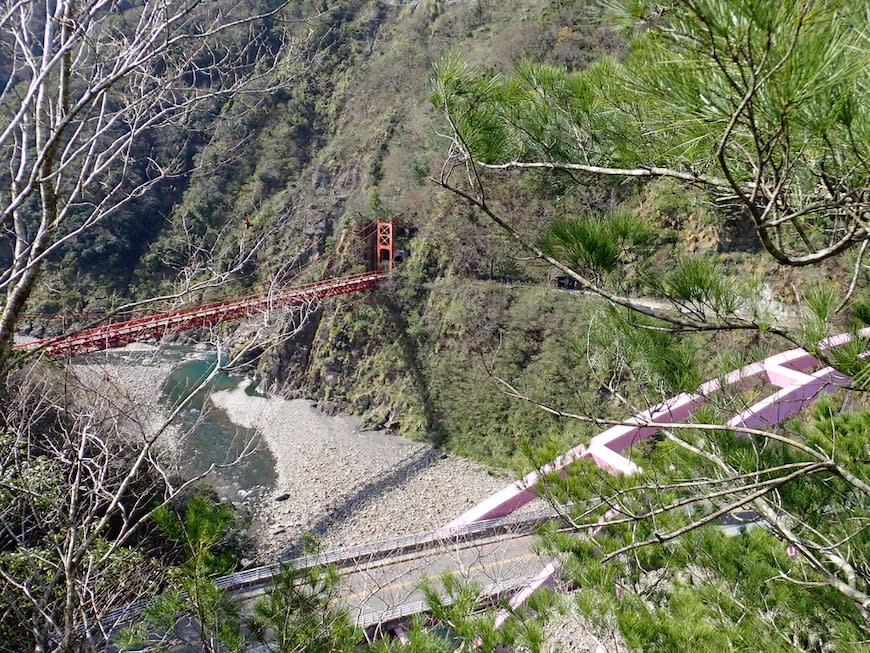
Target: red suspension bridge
x,y
154,327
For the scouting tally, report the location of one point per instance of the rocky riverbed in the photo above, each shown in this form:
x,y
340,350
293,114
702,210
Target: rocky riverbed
x,y
348,485
335,480
130,380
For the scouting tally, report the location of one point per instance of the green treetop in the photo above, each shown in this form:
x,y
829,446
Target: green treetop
x,y
757,112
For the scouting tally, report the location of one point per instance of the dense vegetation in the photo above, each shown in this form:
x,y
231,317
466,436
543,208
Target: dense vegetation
x,y
758,111
599,196
226,190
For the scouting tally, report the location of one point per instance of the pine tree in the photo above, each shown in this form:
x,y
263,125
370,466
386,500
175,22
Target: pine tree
x,y
753,114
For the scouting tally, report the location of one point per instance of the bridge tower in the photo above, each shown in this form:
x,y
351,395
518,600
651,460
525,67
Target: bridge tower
x,y
385,253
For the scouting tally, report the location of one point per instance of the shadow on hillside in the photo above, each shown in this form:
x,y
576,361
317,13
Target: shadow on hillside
x,y
410,356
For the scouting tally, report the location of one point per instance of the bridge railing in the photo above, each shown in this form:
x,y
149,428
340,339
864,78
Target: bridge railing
x,y
388,619
787,370
794,372
353,556
152,327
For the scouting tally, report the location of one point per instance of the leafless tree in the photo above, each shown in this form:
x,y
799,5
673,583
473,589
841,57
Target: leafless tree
x,y
83,466
86,82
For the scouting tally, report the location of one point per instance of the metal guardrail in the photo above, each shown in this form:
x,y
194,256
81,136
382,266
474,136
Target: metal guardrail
x,y
350,556
390,547
387,618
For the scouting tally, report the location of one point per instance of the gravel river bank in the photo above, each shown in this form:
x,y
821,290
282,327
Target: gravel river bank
x,y
348,485
333,478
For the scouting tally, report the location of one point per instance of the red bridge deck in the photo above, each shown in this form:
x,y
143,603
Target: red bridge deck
x,y
155,327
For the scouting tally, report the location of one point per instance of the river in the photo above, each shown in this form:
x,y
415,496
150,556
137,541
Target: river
x,y
310,473
203,435
211,438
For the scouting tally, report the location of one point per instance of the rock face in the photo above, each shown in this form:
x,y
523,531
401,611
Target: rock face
x,y
283,367
373,146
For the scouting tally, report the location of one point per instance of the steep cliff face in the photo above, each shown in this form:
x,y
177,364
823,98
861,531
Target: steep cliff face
x,y
351,136
414,354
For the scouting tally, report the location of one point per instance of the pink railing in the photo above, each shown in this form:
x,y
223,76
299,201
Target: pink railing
x,y
793,372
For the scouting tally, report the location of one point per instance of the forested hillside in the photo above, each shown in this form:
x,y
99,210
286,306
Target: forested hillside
x,y
415,357
291,175
350,136
600,206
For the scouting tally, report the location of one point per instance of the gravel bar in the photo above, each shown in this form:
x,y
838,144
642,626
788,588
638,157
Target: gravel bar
x,y
348,485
